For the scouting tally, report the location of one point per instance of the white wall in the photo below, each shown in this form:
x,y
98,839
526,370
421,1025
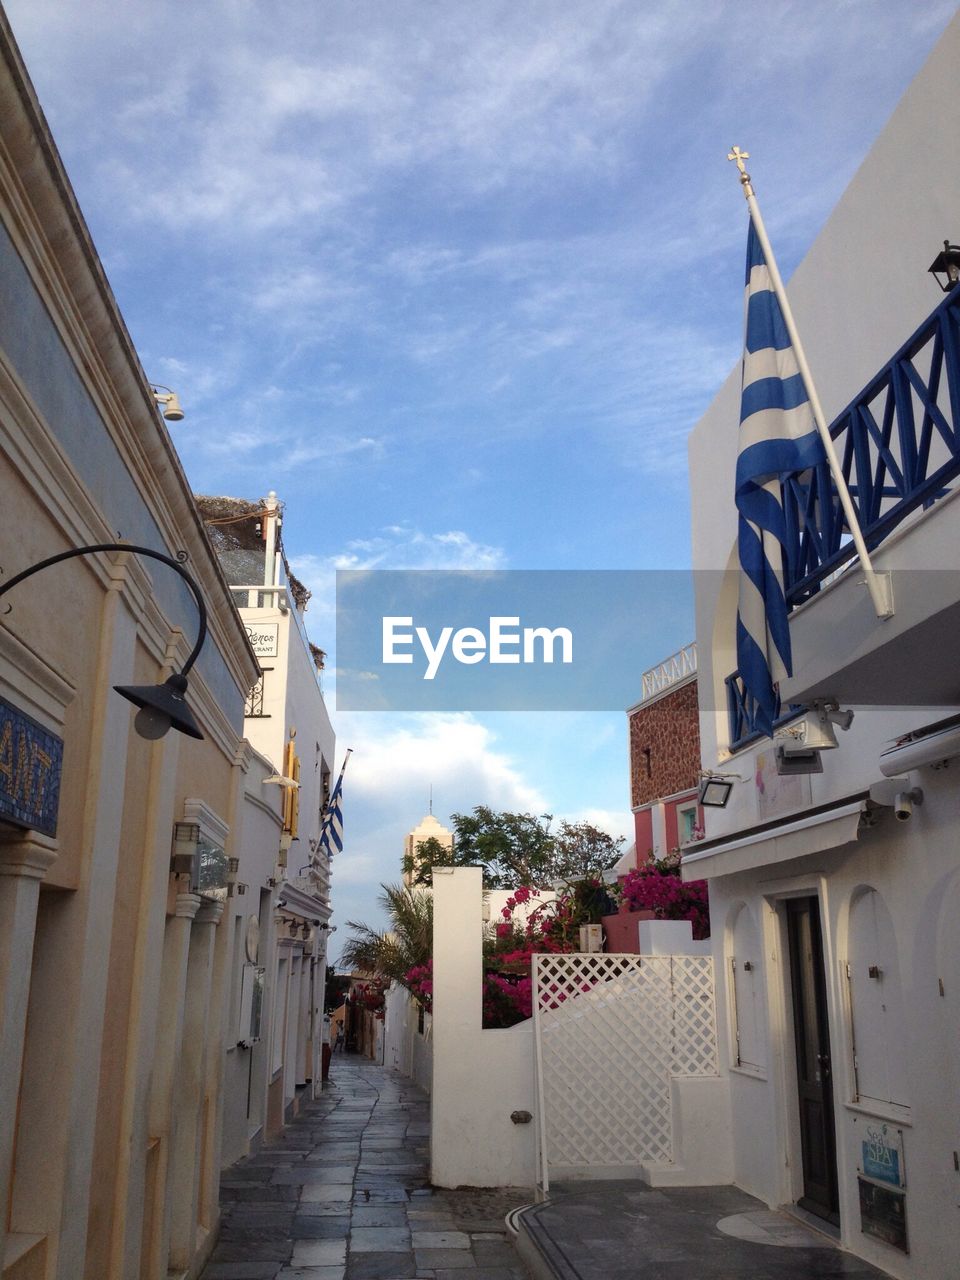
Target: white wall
x,y
479,1077
406,1048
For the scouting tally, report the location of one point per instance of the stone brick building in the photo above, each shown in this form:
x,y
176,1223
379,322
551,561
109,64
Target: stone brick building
x,y
665,757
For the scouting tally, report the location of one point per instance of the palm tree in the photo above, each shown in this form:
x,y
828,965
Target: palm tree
x,y
393,952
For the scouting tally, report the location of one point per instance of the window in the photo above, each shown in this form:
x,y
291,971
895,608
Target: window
x,y
687,822
254,705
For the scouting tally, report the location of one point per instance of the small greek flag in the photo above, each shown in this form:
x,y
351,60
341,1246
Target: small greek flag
x,y
331,830
778,436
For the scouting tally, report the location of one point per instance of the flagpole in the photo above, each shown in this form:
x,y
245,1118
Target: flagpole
x,y
878,584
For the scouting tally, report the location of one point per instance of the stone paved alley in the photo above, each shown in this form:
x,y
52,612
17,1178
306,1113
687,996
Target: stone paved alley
x,y
344,1194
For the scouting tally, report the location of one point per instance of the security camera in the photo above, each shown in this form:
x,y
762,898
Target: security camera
x,y
904,802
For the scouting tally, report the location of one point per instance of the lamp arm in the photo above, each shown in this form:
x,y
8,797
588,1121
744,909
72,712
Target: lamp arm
x,y
176,565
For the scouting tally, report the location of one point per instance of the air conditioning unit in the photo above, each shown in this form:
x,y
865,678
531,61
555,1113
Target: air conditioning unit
x,y
931,746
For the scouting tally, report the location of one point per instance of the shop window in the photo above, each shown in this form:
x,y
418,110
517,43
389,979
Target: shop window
x,y
876,1003
748,1002
687,822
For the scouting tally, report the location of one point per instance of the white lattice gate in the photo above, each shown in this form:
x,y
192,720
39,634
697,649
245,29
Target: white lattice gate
x,y
610,1031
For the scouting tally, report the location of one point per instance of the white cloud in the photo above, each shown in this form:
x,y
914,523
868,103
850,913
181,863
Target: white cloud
x,y
393,547
615,822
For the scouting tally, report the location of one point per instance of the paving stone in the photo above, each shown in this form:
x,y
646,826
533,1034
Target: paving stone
x,y
440,1240
380,1266
242,1251
242,1270
247,1193
311,1273
308,1226
319,1253
505,1273
246,1173
449,1258
379,1240
326,1192
379,1215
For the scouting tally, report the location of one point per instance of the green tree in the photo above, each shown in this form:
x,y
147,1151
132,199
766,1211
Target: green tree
x,y
430,853
582,851
391,953
512,848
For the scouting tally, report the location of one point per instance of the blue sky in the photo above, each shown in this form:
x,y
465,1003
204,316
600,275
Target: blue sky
x,y
455,279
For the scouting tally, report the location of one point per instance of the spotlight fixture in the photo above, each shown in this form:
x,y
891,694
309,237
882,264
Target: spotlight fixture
x,y
168,402
802,740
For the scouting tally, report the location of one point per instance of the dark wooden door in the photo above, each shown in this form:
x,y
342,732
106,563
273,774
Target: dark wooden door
x,y
814,1075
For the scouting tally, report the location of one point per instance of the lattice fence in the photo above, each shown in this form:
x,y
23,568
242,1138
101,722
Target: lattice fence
x,y
610,1032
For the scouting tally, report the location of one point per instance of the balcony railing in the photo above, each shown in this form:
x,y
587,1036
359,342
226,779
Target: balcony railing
x,y
671,671
740,710
899,446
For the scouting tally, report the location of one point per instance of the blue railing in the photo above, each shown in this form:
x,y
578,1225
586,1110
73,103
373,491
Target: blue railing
x,y
740,709
899,447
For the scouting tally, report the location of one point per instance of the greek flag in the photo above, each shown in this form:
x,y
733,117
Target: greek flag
x,y
331,830
778,436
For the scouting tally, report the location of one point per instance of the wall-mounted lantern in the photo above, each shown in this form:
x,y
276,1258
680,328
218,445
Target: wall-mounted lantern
x,y
162,706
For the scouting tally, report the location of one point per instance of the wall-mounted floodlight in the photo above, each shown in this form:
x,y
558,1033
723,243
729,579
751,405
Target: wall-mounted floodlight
x,y
799,760
715,792
162,706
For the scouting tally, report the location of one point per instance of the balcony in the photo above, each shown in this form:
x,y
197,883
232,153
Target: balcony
x,y
899,446
740,712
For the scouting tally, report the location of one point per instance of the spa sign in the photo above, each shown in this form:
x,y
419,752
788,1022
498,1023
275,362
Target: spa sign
x,y
31,758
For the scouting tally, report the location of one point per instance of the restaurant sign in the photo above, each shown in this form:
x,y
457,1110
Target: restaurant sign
x,y
264,638
31,759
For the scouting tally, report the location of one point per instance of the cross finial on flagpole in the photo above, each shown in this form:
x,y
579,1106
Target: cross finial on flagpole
x,y
739,156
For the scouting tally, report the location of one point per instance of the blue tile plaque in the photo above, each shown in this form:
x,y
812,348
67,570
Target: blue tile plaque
x,y
31,759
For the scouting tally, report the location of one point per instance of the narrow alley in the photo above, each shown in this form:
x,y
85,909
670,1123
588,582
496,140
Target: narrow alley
x,y
343,1194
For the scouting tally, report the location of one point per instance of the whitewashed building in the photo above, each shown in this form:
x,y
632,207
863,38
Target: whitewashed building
x,y
280,917
835,895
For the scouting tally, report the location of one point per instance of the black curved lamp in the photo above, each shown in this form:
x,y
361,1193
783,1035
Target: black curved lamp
x,y
162,706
